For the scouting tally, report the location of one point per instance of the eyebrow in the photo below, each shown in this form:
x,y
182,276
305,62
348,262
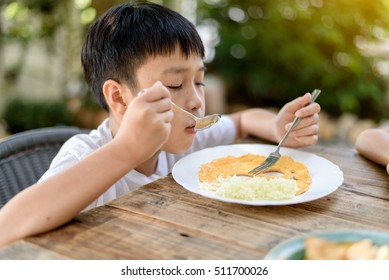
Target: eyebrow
x,y
177,70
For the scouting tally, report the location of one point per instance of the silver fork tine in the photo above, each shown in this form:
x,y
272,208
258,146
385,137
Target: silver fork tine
x,y
275,156
264,166
259,168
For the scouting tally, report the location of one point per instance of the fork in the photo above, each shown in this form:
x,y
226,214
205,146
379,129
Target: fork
x,y
275,156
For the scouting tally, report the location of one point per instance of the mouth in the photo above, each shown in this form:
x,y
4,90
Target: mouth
x,y
191,124
191,128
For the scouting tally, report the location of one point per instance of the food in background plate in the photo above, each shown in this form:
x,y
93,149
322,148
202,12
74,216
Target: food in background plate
x,y
224,173
322,249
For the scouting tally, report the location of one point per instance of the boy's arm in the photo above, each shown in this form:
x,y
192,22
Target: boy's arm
x,y
58,199
255,122
272,127
54,201
374,145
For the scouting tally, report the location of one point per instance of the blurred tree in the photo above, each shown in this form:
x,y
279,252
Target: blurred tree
x,y
272,51
21,115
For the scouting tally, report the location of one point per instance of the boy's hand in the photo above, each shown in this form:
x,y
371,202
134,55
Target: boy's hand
x,y
145,126
306,132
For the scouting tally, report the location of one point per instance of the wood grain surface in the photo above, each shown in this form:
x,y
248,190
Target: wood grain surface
x,y
162,220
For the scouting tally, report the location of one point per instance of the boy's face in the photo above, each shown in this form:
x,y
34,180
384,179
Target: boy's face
x,y
184,78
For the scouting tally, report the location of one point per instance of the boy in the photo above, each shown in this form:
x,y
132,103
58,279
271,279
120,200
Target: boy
x,y
147,48
374,145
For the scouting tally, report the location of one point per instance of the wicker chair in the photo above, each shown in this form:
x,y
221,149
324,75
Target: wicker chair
x,y
25,156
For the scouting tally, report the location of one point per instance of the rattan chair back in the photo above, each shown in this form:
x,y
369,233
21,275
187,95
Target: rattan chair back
x,y
25,156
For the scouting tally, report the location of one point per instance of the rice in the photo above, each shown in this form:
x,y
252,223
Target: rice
x,y
252,188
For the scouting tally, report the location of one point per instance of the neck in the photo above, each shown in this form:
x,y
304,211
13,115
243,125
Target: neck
x,y
149,166
113,125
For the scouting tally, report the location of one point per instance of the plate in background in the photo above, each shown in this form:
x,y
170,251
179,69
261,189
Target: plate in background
x,y
294,248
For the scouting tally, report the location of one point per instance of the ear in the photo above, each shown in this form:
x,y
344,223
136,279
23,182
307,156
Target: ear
x,y
115,96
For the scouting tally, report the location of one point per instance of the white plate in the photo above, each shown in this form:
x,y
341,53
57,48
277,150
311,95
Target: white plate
x,y
326,176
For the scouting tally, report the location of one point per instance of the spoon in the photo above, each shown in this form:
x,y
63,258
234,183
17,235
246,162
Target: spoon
x,y
201,123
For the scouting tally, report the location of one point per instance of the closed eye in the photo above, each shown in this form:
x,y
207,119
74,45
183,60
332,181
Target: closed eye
x,y
200,84
175,87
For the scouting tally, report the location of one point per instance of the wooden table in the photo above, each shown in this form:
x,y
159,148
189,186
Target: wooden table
x,y
162,220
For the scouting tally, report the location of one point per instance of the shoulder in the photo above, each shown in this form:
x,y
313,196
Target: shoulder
x,y
78,147
82,144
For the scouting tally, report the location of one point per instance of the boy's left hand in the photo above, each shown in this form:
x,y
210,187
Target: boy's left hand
x,y
306,132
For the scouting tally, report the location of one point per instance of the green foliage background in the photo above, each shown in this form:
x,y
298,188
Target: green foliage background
x,y
294,46
21,115
286,48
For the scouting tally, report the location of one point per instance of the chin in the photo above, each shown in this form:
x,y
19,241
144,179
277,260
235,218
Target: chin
x,y
177,148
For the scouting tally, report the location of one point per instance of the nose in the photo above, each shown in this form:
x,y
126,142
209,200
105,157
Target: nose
x,y
195,99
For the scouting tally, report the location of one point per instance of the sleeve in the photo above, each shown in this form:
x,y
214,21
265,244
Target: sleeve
x,y
58,165
71,152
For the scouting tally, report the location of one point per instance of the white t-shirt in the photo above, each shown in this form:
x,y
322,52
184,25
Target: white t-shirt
x,y
81,145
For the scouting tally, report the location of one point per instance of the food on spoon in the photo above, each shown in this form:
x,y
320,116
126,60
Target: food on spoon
x,y
322,249
222,176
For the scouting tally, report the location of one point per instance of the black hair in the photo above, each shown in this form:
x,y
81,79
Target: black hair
x,y
125,36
